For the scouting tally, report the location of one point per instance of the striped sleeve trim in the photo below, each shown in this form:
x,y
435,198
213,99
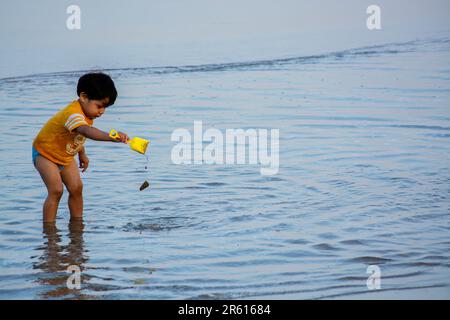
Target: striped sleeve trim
x,y
74,121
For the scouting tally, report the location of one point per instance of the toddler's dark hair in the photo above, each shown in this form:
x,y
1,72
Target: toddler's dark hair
x,y
97,86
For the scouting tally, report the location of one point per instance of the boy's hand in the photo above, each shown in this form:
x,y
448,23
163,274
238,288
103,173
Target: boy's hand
x,y
122,138
84,161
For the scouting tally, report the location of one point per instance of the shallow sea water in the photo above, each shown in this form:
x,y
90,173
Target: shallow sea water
x,y
364,179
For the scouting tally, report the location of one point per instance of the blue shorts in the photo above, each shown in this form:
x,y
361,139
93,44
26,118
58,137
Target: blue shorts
x,y
35,153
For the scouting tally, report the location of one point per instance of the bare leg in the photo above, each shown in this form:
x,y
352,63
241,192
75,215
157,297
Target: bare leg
x,y
49,172
71,178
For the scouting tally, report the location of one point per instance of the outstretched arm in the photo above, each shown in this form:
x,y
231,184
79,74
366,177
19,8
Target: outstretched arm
x,y
99,135
94,133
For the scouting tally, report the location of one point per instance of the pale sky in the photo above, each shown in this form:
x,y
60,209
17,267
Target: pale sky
x,y
133,33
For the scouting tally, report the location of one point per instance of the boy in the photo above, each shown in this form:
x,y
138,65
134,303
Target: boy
x,y
63,136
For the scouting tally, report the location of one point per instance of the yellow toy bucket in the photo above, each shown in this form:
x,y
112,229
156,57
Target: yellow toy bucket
x,y
137,144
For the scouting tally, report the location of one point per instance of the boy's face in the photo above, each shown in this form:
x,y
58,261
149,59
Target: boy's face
x,y
93,108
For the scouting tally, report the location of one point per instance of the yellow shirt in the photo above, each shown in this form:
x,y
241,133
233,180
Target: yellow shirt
x,y
57,140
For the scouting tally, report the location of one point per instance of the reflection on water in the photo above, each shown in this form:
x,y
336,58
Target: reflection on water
x,y
57,257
